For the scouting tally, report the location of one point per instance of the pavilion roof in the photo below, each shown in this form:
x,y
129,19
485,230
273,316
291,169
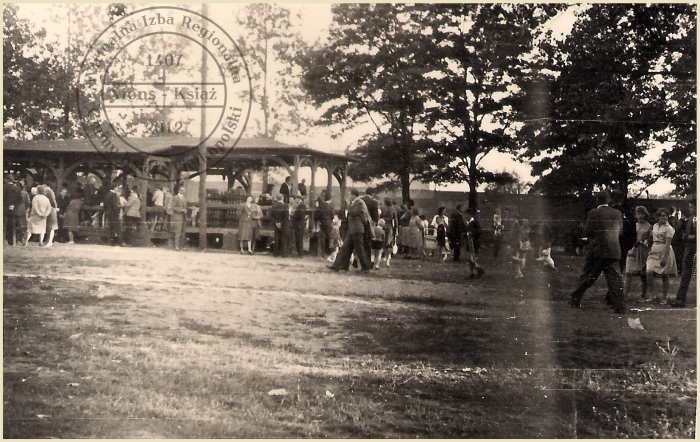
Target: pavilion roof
x,y
168,146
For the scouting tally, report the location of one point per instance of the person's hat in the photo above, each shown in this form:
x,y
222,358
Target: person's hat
x,y
298,195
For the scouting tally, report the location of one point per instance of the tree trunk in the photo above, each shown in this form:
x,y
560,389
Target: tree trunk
x,y
405,173
405,187
406,141
473,184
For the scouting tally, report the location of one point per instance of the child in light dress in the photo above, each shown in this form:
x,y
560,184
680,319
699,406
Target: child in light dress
x,y
636,260
388,241
661,261
440,222
523,242
377,243
335,241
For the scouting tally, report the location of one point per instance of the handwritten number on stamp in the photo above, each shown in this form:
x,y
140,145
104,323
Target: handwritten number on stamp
x,y
162,127
167,60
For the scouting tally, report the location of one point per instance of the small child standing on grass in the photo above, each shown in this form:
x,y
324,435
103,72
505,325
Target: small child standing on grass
x,y
378,243
523,243
389,241
440,222
335,241
424,222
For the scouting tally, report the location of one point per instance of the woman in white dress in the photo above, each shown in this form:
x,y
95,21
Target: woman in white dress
x,y
41,209
661,261
52,220
246,224
257,215
636,261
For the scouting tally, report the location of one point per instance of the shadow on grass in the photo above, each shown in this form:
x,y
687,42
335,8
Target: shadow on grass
x,y
438,337
246,338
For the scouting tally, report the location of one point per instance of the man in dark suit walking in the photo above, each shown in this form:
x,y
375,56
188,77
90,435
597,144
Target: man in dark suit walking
x,y
354,240
373,210
603,228
455,231
689,229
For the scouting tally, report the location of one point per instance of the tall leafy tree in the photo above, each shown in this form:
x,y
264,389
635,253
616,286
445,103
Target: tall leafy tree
x,y
271,46
679,163
372,72
40,76
607,104
482,57
33,107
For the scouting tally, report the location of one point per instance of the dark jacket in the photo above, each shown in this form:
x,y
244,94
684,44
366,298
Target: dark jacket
x,y
372,207
603,229
688,231
299,215
11,196
325,213
90,197
357,217
474,229
284,191
112,206
456,227
279,212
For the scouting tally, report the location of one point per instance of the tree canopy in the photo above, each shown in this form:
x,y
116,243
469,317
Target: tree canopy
x,y
372,71
33,107
482,58
270,46
607,100
438,82
585,110
441,86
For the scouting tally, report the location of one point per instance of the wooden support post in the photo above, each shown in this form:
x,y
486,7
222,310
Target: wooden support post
x,y
203,198
295,174
343,187
265,175
203,153
312,194
143,232
60,174
329,185
125,184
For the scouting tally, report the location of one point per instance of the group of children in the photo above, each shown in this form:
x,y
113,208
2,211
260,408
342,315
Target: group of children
x,y
381,247
516,240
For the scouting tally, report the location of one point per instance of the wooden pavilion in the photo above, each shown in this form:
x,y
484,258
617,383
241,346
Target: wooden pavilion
x,y
168,160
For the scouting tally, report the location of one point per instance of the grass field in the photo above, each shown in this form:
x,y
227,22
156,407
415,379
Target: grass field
x,y
106,342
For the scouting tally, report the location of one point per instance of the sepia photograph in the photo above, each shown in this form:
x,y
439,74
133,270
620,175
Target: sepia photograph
x,y
349,220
